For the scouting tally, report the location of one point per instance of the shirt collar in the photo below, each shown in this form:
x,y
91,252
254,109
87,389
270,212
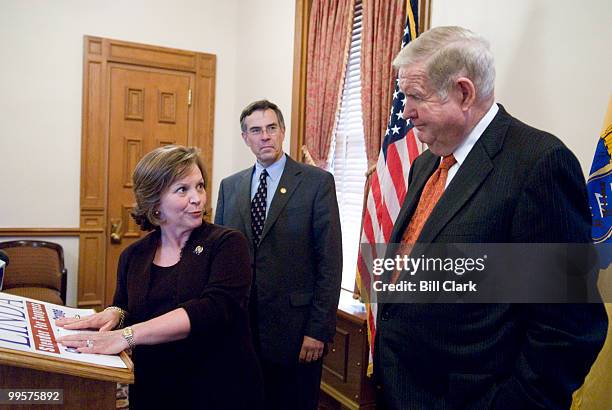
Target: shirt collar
x,y
275,170
462,151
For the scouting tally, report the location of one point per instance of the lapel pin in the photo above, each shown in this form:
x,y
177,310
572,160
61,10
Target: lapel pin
x,y
198,250
283,190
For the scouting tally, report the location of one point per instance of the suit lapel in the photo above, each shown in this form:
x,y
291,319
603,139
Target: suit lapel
x,y
472,173
290,180
244,201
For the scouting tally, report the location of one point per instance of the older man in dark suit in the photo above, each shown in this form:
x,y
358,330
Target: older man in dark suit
x,y
486,178
289,213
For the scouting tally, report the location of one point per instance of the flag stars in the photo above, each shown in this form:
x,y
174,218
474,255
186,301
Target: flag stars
x,y
395,129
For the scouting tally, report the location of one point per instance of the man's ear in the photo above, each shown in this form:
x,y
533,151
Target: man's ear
x,y
467,91
244,137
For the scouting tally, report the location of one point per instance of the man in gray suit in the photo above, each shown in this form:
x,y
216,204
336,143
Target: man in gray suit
x,y
289,213
495,180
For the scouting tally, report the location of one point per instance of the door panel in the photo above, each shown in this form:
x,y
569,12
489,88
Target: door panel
x,y
148,108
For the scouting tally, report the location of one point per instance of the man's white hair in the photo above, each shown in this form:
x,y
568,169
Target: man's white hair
x,y
449,52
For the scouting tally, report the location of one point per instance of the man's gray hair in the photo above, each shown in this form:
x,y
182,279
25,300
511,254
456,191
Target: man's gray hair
x,y
261,105
448,53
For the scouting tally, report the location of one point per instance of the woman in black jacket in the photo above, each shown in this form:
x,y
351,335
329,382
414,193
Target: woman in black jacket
x,y
183,290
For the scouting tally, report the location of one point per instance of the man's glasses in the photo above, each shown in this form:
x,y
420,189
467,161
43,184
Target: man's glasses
x,y
271,130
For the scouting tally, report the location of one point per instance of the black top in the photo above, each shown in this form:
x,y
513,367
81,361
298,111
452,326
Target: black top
x,y
162,290
215,366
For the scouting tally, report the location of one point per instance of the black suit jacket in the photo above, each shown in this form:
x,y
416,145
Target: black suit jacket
x,y
216,365
517,185
298,264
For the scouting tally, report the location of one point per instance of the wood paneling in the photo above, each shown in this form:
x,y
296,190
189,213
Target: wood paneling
x,y
134,104
149,56
103,59
31,360
337,360
204,105
130,228
132,152
92,190
92,221
91,270
167,107
298,100
345,367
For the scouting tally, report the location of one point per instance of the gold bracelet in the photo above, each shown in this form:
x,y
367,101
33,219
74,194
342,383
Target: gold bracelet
x,y
121,315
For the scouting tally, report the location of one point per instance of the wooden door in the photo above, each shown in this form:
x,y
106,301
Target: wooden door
x,y
148,108
135,97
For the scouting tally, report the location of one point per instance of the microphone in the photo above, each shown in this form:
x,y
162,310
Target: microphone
x,y
4,257
4,261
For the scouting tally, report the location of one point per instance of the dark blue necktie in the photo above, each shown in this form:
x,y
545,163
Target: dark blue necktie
x,y
258,208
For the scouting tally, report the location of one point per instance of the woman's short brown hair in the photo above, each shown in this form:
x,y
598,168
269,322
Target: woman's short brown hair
x,y
155,172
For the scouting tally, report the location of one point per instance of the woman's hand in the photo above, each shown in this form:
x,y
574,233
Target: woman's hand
x,y
96,342
105,320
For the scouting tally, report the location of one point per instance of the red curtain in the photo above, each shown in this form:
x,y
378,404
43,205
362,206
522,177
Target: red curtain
x,y
329,36
383,23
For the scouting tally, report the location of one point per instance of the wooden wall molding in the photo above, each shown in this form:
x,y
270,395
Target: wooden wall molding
x,y
150,56
99,55
298,103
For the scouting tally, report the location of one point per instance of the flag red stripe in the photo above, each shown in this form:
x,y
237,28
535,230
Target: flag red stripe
x,y
382,213
413,150
394,164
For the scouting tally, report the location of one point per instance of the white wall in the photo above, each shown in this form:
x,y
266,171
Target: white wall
x,y
265,65
41,82
553,61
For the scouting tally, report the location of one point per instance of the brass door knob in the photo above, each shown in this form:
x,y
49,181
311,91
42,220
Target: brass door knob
x,y
115,235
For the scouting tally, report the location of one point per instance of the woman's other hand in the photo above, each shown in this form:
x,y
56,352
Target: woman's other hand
x,y
105,320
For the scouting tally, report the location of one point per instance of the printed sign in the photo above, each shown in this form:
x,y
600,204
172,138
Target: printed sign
x,y
28,325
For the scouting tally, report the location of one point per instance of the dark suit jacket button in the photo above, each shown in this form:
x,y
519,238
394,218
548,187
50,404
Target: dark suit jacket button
x,y
385,316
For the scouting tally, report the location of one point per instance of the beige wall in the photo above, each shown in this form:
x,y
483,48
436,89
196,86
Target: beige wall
x,y
264,69
553,61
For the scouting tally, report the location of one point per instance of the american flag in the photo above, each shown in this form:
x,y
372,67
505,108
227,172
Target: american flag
x,y
388,186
